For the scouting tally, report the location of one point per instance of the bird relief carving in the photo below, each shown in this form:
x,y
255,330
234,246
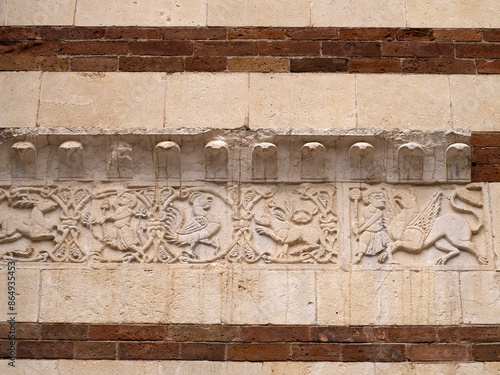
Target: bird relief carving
x,y
444,225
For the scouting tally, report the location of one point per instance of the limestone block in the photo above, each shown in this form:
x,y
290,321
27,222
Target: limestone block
x,y
404,297
413,102
480,293
332,293
40,12
18,102
302,100
114,367
3,4
30,367
476,101
495,213
109,100
347,13
491,368
452,13
258,13
208,368
106,295
140,13
447,368
27,289
197,296
206,100
318,368
269,297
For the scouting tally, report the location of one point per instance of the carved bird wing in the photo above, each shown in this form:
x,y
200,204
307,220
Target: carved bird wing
x,y
173,220
425,220
195,225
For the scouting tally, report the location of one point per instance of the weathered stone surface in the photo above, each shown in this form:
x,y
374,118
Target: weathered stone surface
x,y
40,12
206,100
417,102
314,101
452,14
25,291
346,13
480,291
269,297
333,297
495,212
260,13
3,4
104,296
475,102
29,367
209,368
140,13
112,367
108,100
319,368
18,102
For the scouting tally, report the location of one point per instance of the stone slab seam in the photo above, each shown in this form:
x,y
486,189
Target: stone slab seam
x,y
250,49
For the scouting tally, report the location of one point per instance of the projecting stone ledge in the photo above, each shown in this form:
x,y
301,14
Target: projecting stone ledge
x,y
267,155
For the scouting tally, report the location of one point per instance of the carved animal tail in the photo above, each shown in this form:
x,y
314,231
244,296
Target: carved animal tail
x,y
466,197
173,221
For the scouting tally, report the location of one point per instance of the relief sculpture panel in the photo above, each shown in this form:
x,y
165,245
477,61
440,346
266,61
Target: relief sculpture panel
x,y
419,225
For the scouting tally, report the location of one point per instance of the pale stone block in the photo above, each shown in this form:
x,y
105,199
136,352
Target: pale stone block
x,y
40,12
196,296
258,13
30,367
268,297
27,285
453,13
80,367
19,99
476,101
404,297
105,296
207,100
495,213
302,100
140,13
3,4
208,368
413,102
446,368
431,298
480,297
318,368
107,100
332,291
395,368
358,13
491,368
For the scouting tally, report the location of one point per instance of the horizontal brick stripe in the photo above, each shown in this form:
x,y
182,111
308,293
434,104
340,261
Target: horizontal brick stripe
x,y
251,49
485,156
254,343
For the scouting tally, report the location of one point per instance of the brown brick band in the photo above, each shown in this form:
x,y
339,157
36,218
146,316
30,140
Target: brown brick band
x,y
486,156
255,343
215,49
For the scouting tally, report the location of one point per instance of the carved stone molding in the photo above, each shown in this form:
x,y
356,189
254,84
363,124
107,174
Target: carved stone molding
x,y
334,155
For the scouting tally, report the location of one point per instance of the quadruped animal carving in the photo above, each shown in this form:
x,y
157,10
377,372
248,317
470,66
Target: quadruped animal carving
x,y
392,221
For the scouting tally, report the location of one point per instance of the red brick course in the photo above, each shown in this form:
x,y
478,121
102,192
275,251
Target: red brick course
x,y
485,156
254,343
211,49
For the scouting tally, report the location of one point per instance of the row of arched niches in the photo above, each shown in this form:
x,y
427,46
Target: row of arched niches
x,y
240,155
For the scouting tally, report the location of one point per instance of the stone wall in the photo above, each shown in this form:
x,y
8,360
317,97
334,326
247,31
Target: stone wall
x,y
267,187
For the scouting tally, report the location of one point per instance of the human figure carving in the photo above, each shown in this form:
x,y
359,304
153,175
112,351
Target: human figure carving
x,y
371,233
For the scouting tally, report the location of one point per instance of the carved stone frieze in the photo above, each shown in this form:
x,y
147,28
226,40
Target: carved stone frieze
x,y
352,198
